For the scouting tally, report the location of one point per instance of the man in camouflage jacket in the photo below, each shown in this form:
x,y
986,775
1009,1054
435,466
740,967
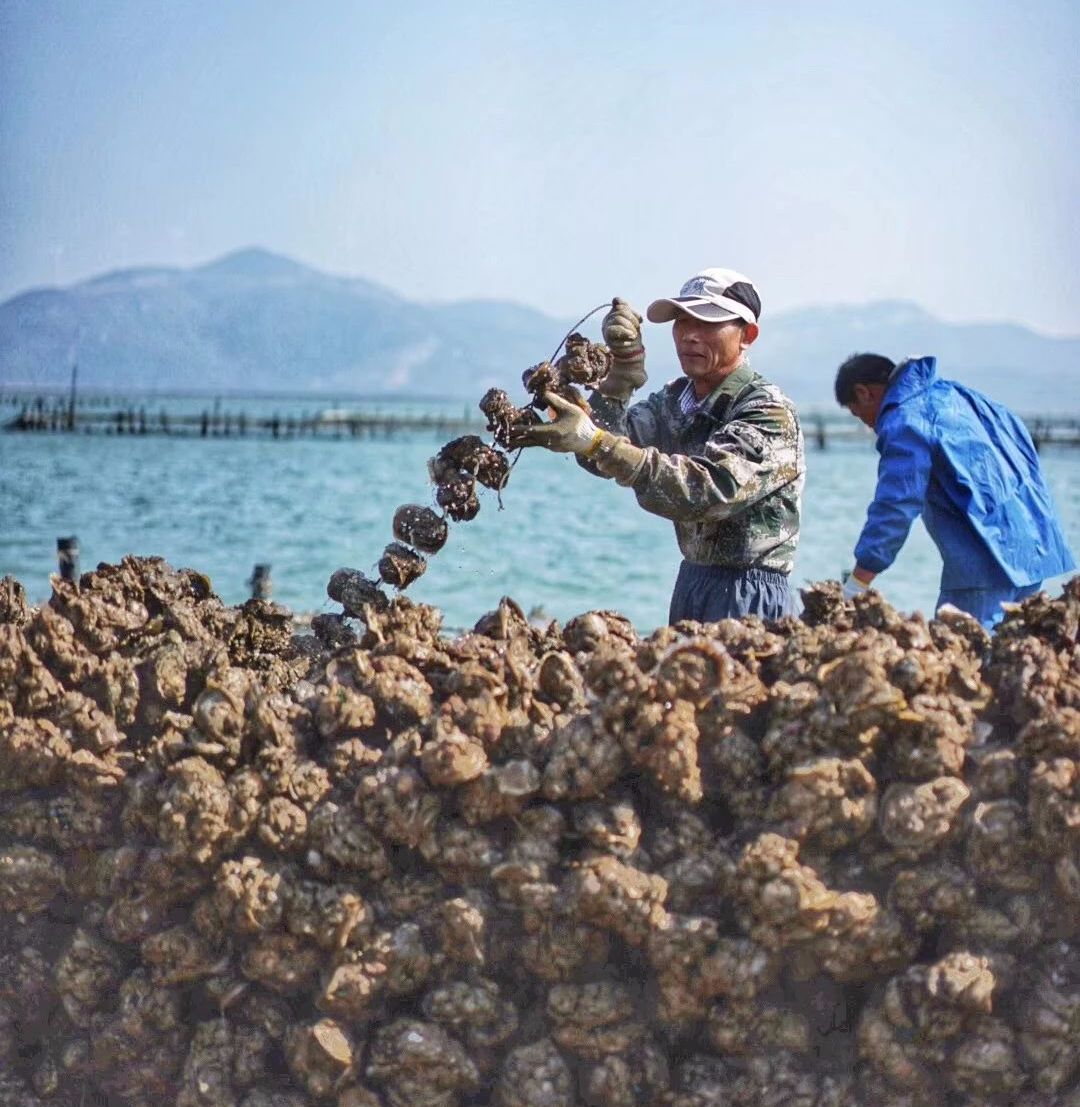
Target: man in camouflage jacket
x,y
719,451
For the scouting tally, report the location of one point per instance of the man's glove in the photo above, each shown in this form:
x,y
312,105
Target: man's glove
x,y
573,432
852,586
621,329
570,432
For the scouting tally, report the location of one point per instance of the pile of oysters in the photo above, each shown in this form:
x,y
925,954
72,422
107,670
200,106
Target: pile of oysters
x,y
829,861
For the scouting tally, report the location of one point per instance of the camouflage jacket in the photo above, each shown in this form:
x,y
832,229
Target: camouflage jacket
x,y
729,475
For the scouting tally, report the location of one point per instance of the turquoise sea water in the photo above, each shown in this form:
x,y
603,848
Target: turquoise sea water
x,y
564,541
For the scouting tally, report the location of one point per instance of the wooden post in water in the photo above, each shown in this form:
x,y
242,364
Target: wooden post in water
x,y
67,557
261,584
71,398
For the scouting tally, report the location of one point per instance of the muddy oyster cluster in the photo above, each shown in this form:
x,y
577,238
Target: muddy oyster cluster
x,y
824,862
455,471
583,364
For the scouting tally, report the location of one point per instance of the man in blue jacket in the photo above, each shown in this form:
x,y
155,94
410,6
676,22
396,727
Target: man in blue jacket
x,y
968,466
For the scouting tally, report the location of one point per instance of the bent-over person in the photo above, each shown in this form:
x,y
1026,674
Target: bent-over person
x,y
967,465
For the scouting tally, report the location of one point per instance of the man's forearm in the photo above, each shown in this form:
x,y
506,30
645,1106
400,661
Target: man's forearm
x,y
618,457
634,424
609,413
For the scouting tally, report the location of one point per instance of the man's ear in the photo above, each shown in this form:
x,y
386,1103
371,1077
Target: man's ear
x,y
749,334
861,393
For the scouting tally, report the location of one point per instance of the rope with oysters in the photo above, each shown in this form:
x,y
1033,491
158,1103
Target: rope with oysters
x,y
421,531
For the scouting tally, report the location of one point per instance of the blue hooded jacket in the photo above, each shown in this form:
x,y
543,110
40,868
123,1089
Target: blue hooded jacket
x,y
969,466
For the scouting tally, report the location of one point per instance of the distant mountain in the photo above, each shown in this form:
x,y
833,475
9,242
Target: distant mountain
x,y
256,321
1030,372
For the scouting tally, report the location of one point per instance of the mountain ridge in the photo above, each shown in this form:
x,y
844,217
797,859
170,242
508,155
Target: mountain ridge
x,y
254,320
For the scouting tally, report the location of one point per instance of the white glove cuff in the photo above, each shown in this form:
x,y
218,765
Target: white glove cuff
x,y
586,436
853,587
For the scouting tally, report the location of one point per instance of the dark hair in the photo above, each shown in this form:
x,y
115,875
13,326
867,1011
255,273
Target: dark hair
x,y
861,369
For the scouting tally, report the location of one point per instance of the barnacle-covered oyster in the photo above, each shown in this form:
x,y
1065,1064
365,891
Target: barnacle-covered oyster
x,y
420,527
503,418
399,565
535,1074
355,592
420,1063
470,455
456,495
320,1055
13,606
30,878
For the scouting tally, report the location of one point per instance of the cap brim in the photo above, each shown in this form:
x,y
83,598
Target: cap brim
x,y
664,311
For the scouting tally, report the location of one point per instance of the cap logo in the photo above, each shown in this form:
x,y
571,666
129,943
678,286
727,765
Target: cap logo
x,y
696,286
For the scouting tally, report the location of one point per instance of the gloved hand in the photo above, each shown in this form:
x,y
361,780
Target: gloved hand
x,y
570,432
852,586
621,329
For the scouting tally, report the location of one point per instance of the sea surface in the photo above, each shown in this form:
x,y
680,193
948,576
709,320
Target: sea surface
x,y
562,541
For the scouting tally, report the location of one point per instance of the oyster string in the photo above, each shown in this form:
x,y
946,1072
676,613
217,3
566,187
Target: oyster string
x,y
587,315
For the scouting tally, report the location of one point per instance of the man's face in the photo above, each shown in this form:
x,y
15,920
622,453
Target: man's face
x,y
867,403
708,352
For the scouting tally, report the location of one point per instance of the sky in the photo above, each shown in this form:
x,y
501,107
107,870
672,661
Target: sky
x,y
556,154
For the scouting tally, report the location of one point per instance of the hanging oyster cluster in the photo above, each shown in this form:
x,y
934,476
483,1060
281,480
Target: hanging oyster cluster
x,y
466,462
832,862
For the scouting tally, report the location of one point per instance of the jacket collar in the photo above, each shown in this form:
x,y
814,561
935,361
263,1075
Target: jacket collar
x,y
908,379
732,384
726,390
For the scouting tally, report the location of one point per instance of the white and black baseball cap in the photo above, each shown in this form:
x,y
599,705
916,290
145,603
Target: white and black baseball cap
x,y
714,296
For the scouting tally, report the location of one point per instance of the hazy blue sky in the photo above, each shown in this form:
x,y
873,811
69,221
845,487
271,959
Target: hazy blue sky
x,y
556,153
